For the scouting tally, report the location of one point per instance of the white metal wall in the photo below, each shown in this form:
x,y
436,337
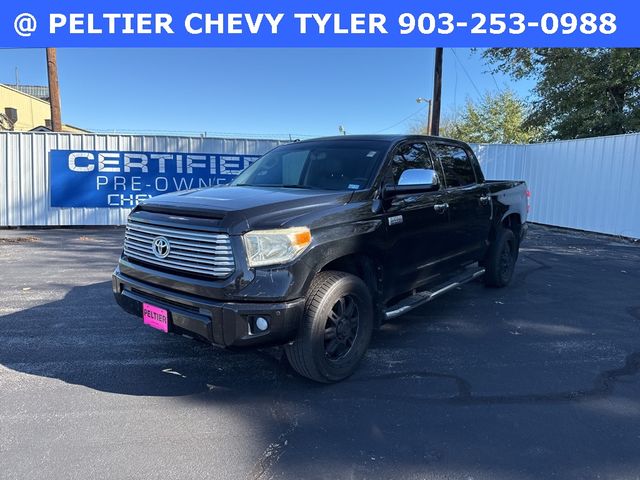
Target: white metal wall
x,y
24,171
590,184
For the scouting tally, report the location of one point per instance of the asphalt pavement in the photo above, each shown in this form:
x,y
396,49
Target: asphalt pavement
x,y
534,381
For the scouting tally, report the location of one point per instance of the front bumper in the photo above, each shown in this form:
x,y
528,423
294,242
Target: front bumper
x,y
226,324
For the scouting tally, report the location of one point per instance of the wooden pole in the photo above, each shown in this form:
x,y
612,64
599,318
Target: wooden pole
x,y
437,93
54,90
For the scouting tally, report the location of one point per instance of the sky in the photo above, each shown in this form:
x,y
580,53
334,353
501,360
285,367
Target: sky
x,y
269,93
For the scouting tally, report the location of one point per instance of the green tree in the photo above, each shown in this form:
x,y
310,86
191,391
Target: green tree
x,y
497,118
580,92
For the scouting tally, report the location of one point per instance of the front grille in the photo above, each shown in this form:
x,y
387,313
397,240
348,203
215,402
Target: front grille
x,y
193,251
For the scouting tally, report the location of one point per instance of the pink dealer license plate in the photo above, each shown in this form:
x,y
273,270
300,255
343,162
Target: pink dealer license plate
x,y
155,317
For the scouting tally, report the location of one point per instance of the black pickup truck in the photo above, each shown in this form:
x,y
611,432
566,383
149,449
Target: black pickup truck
x,y
318,243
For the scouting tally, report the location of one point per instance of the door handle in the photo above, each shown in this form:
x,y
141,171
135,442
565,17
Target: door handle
x,y
441,207
485,199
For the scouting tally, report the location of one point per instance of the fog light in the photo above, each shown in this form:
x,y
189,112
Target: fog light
x,y
262,324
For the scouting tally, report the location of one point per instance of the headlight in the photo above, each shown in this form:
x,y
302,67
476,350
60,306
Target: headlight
x,y
270,247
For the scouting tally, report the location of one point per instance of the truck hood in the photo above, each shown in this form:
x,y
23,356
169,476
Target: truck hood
x,y
239,209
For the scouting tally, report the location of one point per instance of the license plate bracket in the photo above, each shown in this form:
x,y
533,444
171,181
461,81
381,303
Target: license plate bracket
x,y
155,317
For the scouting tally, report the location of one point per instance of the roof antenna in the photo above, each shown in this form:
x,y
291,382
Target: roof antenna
x,y
342,130
17,78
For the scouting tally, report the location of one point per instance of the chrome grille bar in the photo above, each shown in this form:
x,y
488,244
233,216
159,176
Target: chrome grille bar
x,y
191,251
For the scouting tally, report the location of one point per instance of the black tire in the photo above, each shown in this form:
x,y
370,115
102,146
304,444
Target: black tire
x,y
501,260
332,339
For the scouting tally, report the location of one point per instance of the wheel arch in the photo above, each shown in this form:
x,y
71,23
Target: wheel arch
x,y
364,267
513,222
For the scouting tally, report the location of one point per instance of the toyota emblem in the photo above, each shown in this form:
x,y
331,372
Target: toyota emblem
x,y
161,247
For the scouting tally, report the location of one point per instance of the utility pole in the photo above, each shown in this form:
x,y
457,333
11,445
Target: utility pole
x,y
54,90
437,93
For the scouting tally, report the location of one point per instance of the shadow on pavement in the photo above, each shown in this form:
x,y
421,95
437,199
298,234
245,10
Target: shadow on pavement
x,y
536,380
85,339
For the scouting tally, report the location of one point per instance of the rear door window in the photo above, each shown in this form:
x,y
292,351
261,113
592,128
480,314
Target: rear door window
x,y
458,170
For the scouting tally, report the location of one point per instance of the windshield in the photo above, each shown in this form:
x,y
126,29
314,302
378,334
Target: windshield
x,y
324,165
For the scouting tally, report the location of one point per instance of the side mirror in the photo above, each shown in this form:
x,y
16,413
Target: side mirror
x,y
414,180
418,176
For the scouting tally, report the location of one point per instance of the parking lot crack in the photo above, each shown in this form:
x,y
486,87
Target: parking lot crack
x,y
279,413
603,386
274,450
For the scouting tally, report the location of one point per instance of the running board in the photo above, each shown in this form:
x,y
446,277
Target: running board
x,y
421,298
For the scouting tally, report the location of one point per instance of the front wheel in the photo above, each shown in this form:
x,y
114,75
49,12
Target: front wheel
x,y
335,330
501,259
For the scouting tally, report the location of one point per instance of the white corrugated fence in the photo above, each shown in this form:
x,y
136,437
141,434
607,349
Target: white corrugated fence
x,y
589,184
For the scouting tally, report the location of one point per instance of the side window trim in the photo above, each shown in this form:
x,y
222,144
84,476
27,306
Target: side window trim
x,y
438,166
475,164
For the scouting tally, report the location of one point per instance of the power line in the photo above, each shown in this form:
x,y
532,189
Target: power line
x,y
495,81
420,110
464,69
403,120
205,133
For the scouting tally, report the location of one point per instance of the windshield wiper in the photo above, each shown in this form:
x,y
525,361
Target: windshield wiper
x,y
295,185
274,185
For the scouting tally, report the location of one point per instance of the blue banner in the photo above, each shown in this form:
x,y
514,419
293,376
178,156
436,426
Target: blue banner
x,y
91,178
315,23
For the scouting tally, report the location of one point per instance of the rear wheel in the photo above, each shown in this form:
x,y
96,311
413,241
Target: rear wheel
x,y
335,330
501,260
